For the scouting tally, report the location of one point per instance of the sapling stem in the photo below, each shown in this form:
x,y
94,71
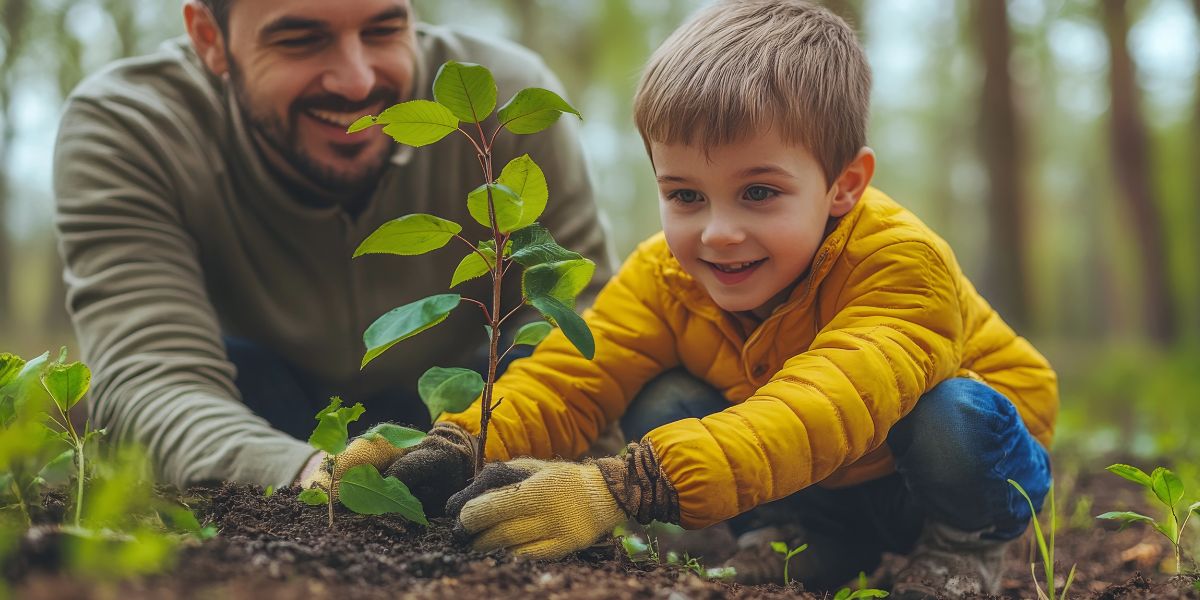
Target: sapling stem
x,y
77,444
497,271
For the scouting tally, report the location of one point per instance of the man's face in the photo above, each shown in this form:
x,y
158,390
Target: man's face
x,y
304,70
745,219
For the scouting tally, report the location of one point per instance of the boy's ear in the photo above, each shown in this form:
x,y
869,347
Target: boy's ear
x,y
853,181
206,36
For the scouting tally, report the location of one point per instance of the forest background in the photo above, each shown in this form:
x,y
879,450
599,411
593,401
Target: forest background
x,y
1054,143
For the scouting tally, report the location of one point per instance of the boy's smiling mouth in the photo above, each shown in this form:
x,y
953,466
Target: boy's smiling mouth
x,y
730,273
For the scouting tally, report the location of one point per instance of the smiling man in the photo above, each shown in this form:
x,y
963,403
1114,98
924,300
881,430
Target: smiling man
x,y
209,201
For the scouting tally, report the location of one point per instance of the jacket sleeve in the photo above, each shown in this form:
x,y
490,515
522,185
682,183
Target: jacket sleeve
x,y
556,402
141,313
895,334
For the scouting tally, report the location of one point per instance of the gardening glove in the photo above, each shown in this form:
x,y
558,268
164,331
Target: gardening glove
x,y
440,465
548,509
367,449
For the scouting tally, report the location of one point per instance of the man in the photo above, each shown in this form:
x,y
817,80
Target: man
x,y
209,201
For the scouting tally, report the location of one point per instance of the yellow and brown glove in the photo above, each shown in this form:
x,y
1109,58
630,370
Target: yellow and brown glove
x,y
440,465
366,449
548,509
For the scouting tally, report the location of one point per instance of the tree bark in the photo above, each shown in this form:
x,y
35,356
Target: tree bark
x,y
1132,165
1000,145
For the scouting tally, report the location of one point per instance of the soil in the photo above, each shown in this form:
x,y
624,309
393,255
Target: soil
x,y
277,547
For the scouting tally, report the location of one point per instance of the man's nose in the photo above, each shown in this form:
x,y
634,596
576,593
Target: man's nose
x,y
351,74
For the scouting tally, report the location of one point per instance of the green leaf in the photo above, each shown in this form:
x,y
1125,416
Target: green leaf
x,y
314,497
473,265
507,205
842,594
532,334
1126,518
59,470
562,280
1131,473
797,550
449,390
1169,530
330,434
1166,486
67,383
533,245
779,547
527,181
468,90
532,110
417,122
396,435
572,325
10,366
406,321
364,491
270,491
866,593
409,235
25,389
361,124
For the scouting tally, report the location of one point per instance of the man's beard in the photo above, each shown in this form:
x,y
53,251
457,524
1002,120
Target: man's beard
x,y
284,137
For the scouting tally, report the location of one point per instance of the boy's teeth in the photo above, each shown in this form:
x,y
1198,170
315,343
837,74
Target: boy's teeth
x,y
734,267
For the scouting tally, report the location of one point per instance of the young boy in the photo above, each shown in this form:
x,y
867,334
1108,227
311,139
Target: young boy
x,y
852,376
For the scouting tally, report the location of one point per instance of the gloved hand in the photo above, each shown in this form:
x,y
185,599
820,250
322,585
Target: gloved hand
x,y
363,450
548,509
440,465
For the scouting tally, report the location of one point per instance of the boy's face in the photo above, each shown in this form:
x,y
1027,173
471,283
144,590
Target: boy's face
x,y
745,219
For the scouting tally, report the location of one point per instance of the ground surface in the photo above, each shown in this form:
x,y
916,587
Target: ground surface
x,y
278,548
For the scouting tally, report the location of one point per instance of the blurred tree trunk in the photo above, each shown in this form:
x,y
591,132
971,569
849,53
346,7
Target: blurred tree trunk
x,y
14,17
1000,146
1132,165
1196,174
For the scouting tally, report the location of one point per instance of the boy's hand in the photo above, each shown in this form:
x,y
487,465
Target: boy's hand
x,y
548,509
440,465
363,450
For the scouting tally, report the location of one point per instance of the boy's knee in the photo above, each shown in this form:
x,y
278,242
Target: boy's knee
x,y
672,396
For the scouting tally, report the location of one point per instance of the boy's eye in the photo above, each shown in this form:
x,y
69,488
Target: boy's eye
x,y
684,196
758,193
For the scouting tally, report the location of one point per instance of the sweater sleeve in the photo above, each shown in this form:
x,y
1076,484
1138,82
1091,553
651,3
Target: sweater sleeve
x,y
896,333
556,402
141,313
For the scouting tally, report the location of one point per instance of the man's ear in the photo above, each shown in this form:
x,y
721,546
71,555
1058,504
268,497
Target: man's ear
x,y
853,181
206,36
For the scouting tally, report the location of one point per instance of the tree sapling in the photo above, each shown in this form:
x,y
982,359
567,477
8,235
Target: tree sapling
x,y
1168,489
788,553
508,206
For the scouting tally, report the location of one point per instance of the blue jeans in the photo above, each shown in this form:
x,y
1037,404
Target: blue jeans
x,y
954,454
289,398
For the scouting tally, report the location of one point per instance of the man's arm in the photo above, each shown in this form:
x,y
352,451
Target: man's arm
x,y
137,298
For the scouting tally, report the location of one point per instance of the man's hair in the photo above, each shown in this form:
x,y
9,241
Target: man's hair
x,y
220,12
741,67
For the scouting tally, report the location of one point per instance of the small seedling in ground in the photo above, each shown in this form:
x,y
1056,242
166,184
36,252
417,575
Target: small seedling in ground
x,y
1045,548
361,489
508,206
1168,489
862,592
788,553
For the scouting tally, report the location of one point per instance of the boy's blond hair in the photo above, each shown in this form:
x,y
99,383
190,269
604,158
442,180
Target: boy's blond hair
x,y
741,67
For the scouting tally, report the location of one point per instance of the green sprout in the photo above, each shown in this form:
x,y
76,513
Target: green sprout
x,y
1046,548
1168,489
508,206
361,489
862,592
788,553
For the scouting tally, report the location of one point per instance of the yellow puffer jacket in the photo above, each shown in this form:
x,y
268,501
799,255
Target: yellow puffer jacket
x,y
883,315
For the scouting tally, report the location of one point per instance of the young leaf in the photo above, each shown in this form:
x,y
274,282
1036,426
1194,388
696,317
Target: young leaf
x,y
406,321
400,437
1166,486
473,265
417,122
366,492
525,179
449,390
533,245
797,550
330,434
532,334
10,366
779,547
409,235
270,491
532,110
561,280
1126,518
1131,473
572,325
314,497
59,470
361,123
507,204
25,388
67,383
468,90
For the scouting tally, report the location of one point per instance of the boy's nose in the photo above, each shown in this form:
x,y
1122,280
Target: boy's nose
x,y
721,231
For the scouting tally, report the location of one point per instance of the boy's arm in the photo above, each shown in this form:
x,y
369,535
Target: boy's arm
x,y
556,402
896,333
